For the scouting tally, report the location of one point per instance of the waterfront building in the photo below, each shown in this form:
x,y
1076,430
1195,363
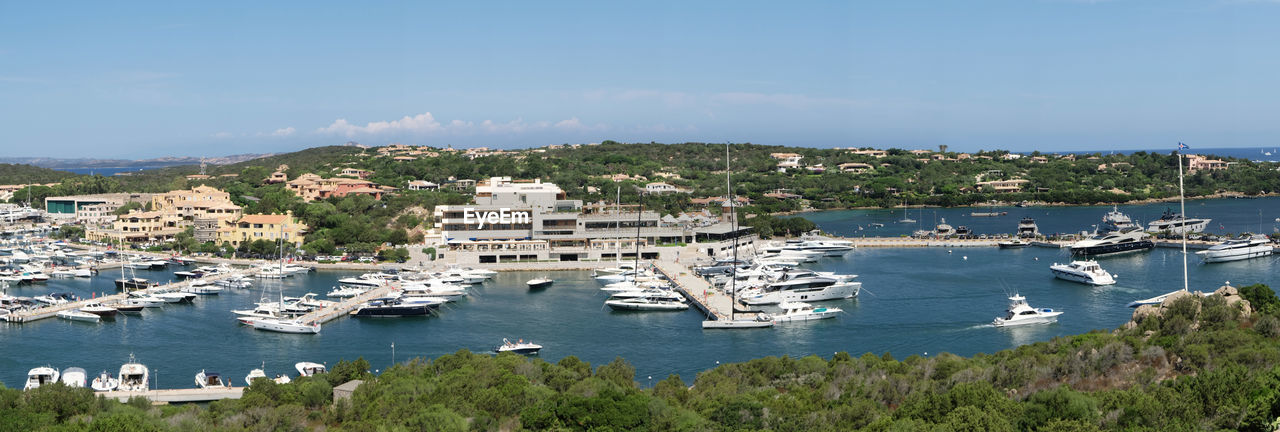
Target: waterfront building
x,y
270,227
69,205
512,220
97,214
139,226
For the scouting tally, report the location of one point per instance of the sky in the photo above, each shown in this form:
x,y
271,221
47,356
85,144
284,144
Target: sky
x,y
149,79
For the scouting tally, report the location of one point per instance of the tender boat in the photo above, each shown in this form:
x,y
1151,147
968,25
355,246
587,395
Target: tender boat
x,y
1085,272
99,309
1237,249
1174,222
539,283
254,374
104,382
307,369
43,375
133,376
1130,240
76,315
281,325
1020,313
73,377
646,304
797,311
206,379
520,347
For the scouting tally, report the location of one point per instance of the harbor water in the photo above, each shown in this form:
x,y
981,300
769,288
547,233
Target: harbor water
x,y
915,301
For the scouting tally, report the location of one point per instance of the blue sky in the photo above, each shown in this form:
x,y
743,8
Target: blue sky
x,y
143,79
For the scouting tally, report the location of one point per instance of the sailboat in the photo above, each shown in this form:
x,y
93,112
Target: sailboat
x,y
280,324
1182,199
906,219
761,320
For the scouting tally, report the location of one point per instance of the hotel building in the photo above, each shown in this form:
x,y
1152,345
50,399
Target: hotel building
x,y
533,221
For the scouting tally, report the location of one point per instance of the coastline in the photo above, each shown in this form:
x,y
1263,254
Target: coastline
x,y
1219,195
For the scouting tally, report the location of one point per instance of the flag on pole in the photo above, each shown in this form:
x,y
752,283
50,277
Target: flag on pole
x,y
1182,146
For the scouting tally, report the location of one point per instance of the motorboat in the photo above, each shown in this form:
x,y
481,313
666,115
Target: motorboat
x,y
396,307
1175,223
1237,249
1027,228
133,376
654,293
271,272
175,297
307,369
799,311
134,283
801,288
203,287
1130,240
182,261
1013,244
1085,272
1019,313
281,325
646,304
145,300
77,315
827,247
943,229
43,375
759,321
367,279
520,347
54,299
235,282
104,382
1159,299
73,377
539,283
254,374
346,292
206,379
99,309
1114,220
128,307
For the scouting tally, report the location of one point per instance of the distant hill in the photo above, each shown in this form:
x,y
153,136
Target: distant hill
x,y
24,174
160,162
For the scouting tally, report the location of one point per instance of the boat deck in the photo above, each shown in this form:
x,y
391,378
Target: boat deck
x,y
51,311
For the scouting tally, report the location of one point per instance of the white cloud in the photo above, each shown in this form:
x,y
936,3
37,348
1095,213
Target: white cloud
x,y
282,132
426,124
420,123
222,135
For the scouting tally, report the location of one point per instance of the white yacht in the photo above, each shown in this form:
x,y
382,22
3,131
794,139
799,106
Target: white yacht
x,y
1020,313
43,375
1085,272
1176,223
254,374
206,379
828,248
798,311
281,325
521,347
367,279
77,315
307,369
73,377
133,376
1237,249
1129,240
646,304
800,289
541,282
943,229
104,382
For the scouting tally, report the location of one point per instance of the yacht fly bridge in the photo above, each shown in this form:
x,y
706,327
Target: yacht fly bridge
x,y
175,288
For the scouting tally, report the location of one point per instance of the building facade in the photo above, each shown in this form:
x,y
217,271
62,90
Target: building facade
x,y
252,227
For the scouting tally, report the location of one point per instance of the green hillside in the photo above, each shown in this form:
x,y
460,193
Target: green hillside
x,y
24,174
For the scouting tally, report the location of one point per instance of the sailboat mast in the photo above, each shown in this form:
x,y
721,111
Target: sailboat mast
x,y
635,272
1182,199
733,220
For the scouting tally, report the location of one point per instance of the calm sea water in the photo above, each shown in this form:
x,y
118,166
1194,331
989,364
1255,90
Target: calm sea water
x,y
915,301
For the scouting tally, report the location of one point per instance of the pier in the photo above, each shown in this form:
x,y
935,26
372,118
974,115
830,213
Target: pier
x,y
177,395
52,311
345,307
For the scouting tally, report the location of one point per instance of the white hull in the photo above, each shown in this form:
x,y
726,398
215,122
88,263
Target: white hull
x,y
78,316
285,326
646,306
805,317
732,324
1081,278
1236,254
833,292
1193,226
1040,319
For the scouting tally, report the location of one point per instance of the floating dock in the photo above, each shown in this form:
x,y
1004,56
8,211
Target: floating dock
x,y
345,307
177,395
52,311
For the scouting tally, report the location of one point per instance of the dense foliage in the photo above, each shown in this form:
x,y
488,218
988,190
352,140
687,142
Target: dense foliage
x,y
1203,364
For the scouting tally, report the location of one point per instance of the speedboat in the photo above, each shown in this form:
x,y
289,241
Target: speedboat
x,y
1237,249
1176,223
235,282
798,311
346,292
73,377
203,287
254,374
397,307
1020,313
133,376
1129,240
367,279
43,375
281,325
129,307
104,382
99,309
520,347
175,297
646,304
145,300
655,293
1013,244
307,369
539,283
76,315
206,379
1085,272
56,298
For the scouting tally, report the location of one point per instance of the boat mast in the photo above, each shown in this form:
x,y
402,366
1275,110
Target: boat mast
x,y
617,215
733,220
1182,199
635,271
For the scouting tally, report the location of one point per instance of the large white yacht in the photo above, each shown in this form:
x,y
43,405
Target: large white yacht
x,y
1237,249
133,376
1020,313
43,375
1085,272
796,311
800,288
1129,240
1176,223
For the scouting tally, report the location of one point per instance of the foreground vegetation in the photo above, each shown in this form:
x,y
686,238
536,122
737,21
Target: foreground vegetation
x,y
1199,364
